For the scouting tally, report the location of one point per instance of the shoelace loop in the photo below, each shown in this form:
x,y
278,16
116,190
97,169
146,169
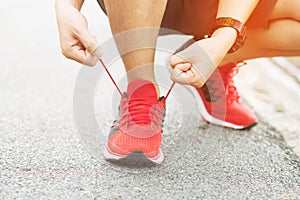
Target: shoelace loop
x,y
156,109
137,115
232,94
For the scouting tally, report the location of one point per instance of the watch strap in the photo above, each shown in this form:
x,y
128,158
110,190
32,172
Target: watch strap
x,y
240,28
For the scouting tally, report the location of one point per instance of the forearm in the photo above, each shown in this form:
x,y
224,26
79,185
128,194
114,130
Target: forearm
x,y
206,54
237,9
240,10
76,3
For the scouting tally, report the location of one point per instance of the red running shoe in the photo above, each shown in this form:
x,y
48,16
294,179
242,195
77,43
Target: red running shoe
x,y
219,100
136,136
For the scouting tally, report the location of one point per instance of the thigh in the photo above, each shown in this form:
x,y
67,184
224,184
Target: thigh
x,y
262,14
196,17
191,17
286,9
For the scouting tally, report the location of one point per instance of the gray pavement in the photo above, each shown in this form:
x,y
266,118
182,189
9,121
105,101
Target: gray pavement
x,y
42,156
274,93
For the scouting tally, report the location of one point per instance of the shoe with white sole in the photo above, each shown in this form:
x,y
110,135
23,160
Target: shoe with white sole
x,y
219,100
136,136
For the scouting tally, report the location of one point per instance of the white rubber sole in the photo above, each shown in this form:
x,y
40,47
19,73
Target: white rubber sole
x,y
209,118
133,158
205,115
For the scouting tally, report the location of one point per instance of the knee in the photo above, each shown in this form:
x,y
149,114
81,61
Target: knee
x,y
296,16
288,39
294,13
286,10
292,10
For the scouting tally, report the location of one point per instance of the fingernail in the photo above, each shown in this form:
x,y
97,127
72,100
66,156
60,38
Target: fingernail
x,y
98,52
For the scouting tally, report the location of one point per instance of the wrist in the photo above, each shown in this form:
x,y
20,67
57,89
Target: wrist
x,y
74,3
226,36
227,33
229,23
77,3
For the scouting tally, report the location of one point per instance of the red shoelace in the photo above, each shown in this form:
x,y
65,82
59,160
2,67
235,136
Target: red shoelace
x,y
148,114
232,94
140,111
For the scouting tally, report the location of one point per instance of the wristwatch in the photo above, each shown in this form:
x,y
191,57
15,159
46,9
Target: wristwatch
x,y
240,28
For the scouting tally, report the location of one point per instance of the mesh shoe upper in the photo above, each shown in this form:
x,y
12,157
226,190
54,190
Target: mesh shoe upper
x,y
221,98
139,125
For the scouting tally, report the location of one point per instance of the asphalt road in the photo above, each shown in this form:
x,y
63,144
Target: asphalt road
x,y
42,155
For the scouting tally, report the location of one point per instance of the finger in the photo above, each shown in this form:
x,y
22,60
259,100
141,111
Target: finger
x,y
178,76
183,66
99,51
197,72
198,80
189,74
90,43
81,56
90,60
176,59
77,55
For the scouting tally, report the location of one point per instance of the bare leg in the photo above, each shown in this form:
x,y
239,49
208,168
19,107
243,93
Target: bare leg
x,y
281,39
128,16
286,9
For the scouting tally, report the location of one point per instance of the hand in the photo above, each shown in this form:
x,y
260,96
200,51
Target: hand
x,y
76,41
197,62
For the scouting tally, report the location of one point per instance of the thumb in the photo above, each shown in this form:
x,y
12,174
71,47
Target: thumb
x,y
90,43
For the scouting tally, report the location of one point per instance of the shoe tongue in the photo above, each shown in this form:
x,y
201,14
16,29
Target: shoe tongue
x,y
142,96
141,89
